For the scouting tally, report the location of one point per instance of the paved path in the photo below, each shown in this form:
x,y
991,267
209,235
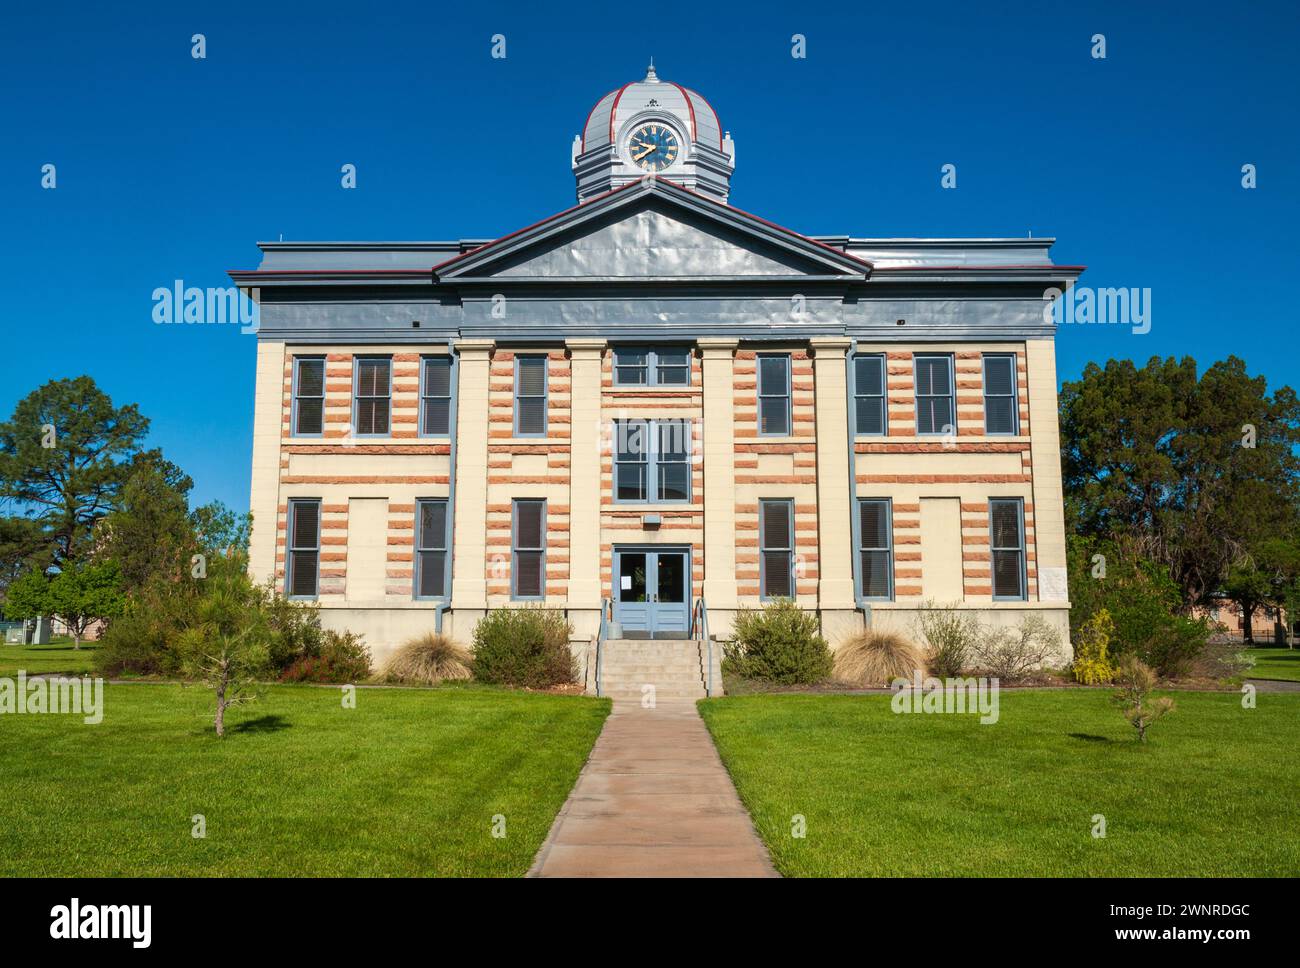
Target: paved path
x,y
654,800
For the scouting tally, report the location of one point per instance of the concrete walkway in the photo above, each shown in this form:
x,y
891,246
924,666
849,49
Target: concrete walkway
x,y
654,800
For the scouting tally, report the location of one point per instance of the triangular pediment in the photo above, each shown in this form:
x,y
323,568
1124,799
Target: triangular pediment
x,y
652,231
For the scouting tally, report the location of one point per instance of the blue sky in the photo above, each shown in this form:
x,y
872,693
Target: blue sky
x,y
172,168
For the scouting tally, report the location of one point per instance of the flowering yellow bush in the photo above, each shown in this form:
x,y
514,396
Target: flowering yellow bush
x,y
1091,661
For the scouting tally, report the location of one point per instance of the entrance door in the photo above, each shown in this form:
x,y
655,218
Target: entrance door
x,y
652,592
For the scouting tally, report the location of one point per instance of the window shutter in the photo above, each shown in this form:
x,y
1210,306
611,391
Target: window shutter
x,y
875,523
528,574
776,525
306,525
432,573
530,396
528,524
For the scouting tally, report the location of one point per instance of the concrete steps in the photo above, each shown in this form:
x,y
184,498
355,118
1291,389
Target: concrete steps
x,y
675,667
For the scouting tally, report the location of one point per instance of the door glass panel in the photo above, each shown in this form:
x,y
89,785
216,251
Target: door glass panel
x,y
631,577
672,578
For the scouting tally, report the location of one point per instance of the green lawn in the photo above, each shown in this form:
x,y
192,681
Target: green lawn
x,y
1275,664
1212,793
405,784
58,656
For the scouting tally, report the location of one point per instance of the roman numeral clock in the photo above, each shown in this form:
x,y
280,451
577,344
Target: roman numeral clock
x,y
653,127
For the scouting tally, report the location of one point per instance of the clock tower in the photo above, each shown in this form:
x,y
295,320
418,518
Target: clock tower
x,y
653,127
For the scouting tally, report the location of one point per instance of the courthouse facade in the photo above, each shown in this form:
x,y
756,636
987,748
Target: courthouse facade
x,y
654,398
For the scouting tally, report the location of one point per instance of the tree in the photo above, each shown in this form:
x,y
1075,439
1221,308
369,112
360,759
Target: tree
x,y
227,647
150,534
66,453
1263,578
79,595
1135,681
220,530
23,548
1193,472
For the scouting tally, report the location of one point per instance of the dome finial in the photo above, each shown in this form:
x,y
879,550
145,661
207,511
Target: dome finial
x,y
650,74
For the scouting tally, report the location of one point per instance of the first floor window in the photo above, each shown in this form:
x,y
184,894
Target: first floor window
x,y
875,549
870,412
1000,394
1007,546
435,396
304,549
776,550
934,403
528,549
431,549
308,396
372,396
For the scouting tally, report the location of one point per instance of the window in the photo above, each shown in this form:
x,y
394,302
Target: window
x,y
308,396
373,391
430,549
934,404
774,396
304,549
875,547
528,549
776,552
1000,409
530,396
435,396
664,366
1007,545
652,461
870,412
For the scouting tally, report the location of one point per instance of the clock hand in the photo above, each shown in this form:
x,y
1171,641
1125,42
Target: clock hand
x,y
644,153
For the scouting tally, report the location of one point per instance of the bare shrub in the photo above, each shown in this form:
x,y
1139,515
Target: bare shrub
x,y
1011,654
876,658
950,636
427,660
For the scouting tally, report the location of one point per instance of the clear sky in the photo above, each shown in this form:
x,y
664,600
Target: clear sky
x,y
171,168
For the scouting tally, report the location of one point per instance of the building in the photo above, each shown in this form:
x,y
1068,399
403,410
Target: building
x,y
655,397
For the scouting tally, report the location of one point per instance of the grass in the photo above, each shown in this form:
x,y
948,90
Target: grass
x,y
1276,663
1210,794
405,784
58,656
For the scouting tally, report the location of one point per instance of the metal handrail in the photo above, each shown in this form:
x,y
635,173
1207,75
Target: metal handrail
x,y
700,620
606,608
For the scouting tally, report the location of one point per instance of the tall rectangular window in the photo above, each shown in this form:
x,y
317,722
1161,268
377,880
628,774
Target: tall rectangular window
x,y
870,411
435,396
774,395
875,546
530,396
652,461
430,549
1007,547
663,366
304,549
528,549
372,396
308,396
1000,405
935,413
776,549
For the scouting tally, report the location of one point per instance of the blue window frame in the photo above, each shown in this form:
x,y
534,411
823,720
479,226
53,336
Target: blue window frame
x,y
652,461
530,396
1001,407
876,548
935,409
431,548
774,394
1007,549
870,406
308,418
372,382
528,549
652,366
776,549
435,396
303,560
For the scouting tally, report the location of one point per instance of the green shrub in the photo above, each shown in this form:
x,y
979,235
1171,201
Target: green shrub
x,y
143,639
427,660
295,628
524,647
950,635
780,644
343,657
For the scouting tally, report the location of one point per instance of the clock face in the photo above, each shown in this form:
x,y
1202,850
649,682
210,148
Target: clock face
x,y
653,146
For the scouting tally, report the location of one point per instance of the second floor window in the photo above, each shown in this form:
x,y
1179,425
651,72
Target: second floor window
x,y
308,396
1000,394
528,549
774,395
776,549
430,549
303,548
870,412
934,402
530,396
435,396
652,461
372,396
663,366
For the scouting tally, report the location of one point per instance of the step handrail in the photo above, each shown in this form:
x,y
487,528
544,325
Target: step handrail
x,y
700,622
606,608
